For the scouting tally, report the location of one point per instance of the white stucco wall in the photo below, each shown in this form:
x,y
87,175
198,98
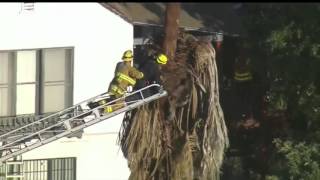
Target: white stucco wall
x,y
98,157
99,38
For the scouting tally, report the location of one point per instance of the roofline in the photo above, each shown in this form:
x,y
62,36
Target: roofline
x,y
121,14
188,29
115,11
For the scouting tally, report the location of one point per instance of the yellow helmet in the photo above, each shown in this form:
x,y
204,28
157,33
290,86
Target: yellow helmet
x,y
162,59
127,55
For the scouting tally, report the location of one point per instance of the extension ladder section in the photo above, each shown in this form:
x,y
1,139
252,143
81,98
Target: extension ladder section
x,y
70,121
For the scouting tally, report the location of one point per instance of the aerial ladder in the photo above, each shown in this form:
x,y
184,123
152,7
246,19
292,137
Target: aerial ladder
x,y
69,121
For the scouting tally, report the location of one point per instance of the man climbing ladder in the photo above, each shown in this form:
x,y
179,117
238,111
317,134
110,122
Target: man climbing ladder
x,y
125,76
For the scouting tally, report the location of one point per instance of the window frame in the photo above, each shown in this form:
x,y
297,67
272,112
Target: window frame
x,y
11,98
69,80
39,84
62,168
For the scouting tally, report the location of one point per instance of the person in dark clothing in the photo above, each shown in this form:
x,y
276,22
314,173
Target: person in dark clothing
x,y
150,69
149,66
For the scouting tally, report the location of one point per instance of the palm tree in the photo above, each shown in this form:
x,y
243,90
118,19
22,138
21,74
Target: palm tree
x,y
181,136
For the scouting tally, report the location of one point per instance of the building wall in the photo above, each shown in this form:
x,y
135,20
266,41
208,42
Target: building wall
x,y
98,156
99,38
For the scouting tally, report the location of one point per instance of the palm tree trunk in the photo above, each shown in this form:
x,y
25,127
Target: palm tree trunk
x,y
169,48
171,29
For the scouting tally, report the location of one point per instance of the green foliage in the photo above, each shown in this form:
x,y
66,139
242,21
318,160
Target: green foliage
x,y
272,177
285,42
297,160
286,36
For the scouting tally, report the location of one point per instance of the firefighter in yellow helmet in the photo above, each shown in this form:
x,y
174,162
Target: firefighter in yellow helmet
x,y
125,75
162,59
150,66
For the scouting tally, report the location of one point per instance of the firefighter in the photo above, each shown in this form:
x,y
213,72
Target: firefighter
x,y
125,76
244,81
150,66
242,71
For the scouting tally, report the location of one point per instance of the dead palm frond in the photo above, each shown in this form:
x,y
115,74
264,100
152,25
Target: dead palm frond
x,y
184,135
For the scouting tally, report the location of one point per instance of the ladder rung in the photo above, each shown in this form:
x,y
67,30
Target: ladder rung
x,y
14,162
14,176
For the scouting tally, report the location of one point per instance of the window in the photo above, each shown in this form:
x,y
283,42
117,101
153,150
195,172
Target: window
x,y
5,83
25,82
56,80
45,169
35,81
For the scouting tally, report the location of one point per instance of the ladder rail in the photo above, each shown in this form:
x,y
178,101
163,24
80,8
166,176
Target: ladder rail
x,y
78,104
52,115
59,123
87,124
